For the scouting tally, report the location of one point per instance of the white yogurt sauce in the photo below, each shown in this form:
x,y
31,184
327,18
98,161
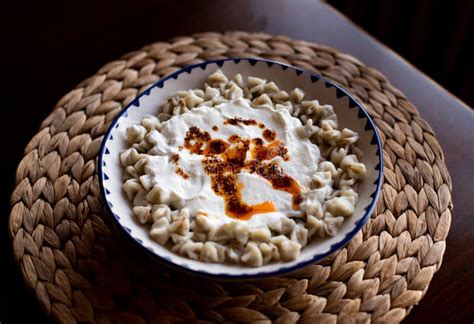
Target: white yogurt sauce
x,y
195,192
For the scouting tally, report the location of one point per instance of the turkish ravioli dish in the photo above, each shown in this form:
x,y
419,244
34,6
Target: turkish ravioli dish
x,y
241,172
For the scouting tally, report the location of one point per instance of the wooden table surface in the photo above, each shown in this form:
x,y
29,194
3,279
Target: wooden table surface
x,y
48,49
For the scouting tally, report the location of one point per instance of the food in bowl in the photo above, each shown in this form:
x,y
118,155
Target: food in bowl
x,y
241,172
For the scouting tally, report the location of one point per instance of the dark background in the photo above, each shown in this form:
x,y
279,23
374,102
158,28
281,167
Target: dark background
x,y
50,47
434,35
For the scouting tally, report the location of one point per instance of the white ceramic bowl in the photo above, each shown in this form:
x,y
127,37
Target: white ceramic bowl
x,y
350,114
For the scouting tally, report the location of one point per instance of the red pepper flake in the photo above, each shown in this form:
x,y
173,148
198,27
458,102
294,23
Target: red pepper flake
x,y
269,151
234,138
216,146
195,139
181,172
239,120
178,169
175,158
269,134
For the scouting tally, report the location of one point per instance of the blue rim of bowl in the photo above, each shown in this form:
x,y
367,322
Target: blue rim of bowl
x,y
340,92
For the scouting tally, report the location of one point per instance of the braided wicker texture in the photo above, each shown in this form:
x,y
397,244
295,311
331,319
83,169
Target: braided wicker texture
x,y
82,269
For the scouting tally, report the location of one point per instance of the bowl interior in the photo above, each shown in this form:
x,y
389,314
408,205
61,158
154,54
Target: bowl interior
x,y
349,113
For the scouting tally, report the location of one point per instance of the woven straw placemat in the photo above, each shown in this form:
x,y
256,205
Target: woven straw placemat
x,y
82,269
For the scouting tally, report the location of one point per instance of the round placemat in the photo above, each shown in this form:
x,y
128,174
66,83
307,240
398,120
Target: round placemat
x,y
82,269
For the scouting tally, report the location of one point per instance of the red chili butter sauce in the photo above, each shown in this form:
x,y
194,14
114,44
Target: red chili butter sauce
x,y
269,134
238,120
223,160
178,169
